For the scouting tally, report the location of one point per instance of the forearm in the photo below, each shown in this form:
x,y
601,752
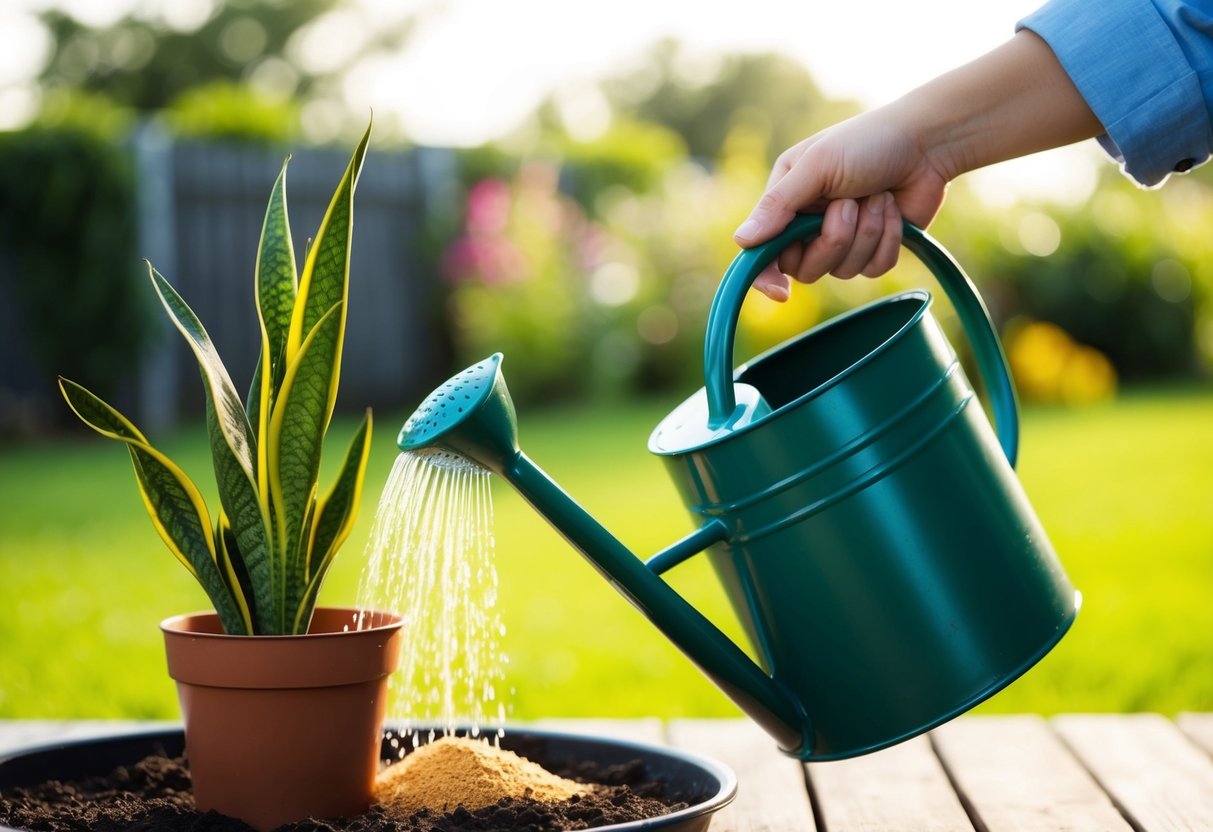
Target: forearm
x,y
1012,101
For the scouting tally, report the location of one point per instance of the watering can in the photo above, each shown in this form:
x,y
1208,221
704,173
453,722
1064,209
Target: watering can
x,y
854,500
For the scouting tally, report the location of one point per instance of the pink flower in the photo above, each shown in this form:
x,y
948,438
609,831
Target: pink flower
x,y
491,260
488,207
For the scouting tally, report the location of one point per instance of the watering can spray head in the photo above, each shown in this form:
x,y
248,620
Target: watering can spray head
x,y
471,414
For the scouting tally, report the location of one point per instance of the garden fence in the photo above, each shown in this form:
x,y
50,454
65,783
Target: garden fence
x,y
200,206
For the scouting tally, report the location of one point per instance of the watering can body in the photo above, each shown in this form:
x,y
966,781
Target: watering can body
x,y
850,492
880,551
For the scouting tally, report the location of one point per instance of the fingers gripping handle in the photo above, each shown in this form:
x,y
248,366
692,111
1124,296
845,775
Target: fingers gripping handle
x,y
745,268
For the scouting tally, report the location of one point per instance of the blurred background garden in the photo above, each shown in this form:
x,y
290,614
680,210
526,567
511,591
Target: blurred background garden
x,y
582,234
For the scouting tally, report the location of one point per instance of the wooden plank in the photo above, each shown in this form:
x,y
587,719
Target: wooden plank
x,y
771,792
647,730
1153,774
1016,776
903,787
1199,728
26,733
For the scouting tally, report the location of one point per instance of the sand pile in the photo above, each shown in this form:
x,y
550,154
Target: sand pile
x,y
454,771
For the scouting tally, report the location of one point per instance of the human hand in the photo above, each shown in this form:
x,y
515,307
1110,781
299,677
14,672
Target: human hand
x,y
865,175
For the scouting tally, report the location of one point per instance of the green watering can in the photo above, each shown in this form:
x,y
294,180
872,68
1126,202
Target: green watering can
x,y
853,499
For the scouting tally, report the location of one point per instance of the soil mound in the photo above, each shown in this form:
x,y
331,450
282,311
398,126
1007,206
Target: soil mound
x,y
457,771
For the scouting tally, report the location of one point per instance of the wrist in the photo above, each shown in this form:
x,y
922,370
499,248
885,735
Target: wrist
x,y
937,131
1011,102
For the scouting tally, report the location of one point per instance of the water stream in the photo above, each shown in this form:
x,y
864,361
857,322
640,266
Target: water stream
x,y
430,558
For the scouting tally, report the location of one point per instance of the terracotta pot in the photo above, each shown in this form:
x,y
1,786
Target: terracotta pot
x,y
281,728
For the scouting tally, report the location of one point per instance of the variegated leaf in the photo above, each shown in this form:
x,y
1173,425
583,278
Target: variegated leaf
x,y
325,279
173,502
231,567
338,510
296,436
335,516
276,286
233,451
276,275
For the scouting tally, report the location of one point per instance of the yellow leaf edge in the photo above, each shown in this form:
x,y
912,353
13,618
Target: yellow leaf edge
x,y
187,485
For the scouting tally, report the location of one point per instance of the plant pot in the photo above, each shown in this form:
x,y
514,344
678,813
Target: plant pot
x,y
281,728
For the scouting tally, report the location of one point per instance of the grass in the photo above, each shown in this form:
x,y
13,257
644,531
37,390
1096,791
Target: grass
x,y
1125,491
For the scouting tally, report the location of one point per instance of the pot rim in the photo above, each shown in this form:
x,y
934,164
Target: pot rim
x,y
179,624
331,657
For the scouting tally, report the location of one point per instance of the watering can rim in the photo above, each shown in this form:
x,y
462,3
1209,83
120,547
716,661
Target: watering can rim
x,y
922,295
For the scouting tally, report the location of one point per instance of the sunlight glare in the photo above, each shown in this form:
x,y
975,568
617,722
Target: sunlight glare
x,y
181,15
583,110
27,46
329,42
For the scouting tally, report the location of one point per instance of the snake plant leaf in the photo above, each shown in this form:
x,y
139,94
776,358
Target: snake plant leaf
x,y
334,518
295,438
161,485
275,279
298,586
276,274
307,603
240,500
325,279
231,568
229,410
173,502
336,513
233,452
98,415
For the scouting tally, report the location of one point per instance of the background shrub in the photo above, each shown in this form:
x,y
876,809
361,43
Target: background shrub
x,y
69,265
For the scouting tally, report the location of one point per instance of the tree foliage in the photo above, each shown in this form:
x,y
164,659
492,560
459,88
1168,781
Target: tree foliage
x,y
145,64
703,99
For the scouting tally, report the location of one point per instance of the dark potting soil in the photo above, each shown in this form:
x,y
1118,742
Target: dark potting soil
x,y
154,794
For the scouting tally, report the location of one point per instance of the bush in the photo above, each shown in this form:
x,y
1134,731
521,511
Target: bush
x,y
516,277
1128,274
605,282
630,154
67,230
593,274
223,110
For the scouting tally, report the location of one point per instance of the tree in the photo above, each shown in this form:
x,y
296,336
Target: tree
x,y
144,63
704,101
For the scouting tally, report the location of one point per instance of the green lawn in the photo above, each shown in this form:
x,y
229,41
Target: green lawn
x,y
1125,490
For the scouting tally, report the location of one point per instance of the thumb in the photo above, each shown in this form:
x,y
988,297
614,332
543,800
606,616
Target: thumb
x,y
796,190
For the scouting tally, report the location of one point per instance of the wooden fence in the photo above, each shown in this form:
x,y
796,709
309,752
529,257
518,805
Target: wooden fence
x,y
201,207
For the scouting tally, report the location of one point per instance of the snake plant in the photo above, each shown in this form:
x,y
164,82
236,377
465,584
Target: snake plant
x,y
262,560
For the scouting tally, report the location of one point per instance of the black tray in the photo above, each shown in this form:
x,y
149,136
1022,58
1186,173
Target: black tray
x,y
706,784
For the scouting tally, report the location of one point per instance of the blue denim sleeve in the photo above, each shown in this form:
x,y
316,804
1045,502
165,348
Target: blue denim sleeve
x,y
1145,68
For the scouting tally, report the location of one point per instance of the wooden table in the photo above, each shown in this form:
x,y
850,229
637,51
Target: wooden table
x,y
988,773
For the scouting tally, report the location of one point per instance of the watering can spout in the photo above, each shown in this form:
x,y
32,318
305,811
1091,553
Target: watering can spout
x,y
472,415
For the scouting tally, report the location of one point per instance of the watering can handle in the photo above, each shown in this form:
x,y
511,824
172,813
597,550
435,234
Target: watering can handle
x,y
747,265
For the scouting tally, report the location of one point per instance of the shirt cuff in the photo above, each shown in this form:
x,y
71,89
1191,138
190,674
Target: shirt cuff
x,y
1128,66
